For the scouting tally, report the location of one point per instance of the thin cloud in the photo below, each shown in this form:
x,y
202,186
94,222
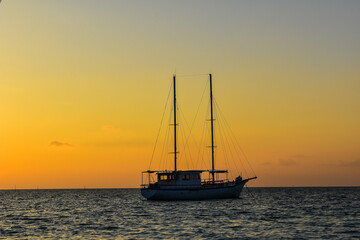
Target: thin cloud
x,y
355,163
266,163
301,156
288,162
109,128
60,144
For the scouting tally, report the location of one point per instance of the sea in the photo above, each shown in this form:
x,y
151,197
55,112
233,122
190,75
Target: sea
x,y
260,213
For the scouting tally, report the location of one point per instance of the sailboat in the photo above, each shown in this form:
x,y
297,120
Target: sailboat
x,y
187,184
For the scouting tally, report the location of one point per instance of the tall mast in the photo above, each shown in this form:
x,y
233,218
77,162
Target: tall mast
x,y
212,131
175,147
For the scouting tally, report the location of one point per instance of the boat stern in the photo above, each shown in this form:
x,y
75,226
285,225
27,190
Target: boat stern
x,y
148,193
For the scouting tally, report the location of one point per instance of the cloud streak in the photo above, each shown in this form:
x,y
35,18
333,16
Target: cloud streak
x,y
301,156
355,163
60,144
109,128
266,163
288,162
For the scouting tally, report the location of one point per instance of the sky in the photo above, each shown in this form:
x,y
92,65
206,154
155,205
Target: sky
x,y
83,86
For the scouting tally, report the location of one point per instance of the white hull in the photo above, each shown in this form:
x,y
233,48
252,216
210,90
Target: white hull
x,y
193,194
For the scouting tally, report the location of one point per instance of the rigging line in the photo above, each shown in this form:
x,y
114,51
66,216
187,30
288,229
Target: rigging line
x,y
193,123
221,136
229,147
165,152
162,118
205,154
207,133
186,145
168,150
234,146
182,139
200,160
201,142
164,146
188,153
193,75
223,145
235,139
166,141
183,129
233,135
238,156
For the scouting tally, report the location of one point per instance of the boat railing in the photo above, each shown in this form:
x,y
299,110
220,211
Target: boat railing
x,y
219,183
148,180
151,181
210,181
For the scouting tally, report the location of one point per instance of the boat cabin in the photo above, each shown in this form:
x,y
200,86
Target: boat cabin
x,y
179,178
164,179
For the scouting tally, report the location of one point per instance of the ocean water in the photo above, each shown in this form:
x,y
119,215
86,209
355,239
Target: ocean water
x,y
260,213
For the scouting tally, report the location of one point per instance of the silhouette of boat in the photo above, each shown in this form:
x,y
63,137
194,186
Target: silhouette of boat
x,y
187,184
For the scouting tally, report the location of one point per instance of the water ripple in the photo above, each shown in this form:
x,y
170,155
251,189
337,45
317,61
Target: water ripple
x,y
268,213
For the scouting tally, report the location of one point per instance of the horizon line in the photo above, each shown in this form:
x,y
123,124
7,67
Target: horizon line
x,y
85,188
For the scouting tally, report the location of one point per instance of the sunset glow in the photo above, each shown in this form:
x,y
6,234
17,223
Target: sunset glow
x,y
83,86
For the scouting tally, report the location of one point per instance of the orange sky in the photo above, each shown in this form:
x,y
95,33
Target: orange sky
x,y
83,87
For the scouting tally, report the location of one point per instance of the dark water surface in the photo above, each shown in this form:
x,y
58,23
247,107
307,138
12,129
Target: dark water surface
x,y
266,213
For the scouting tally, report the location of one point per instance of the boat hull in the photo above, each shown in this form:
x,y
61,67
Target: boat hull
x,y
193,194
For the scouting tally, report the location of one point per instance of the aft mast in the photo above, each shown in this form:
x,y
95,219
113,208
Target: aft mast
x,y
175,145
212,132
